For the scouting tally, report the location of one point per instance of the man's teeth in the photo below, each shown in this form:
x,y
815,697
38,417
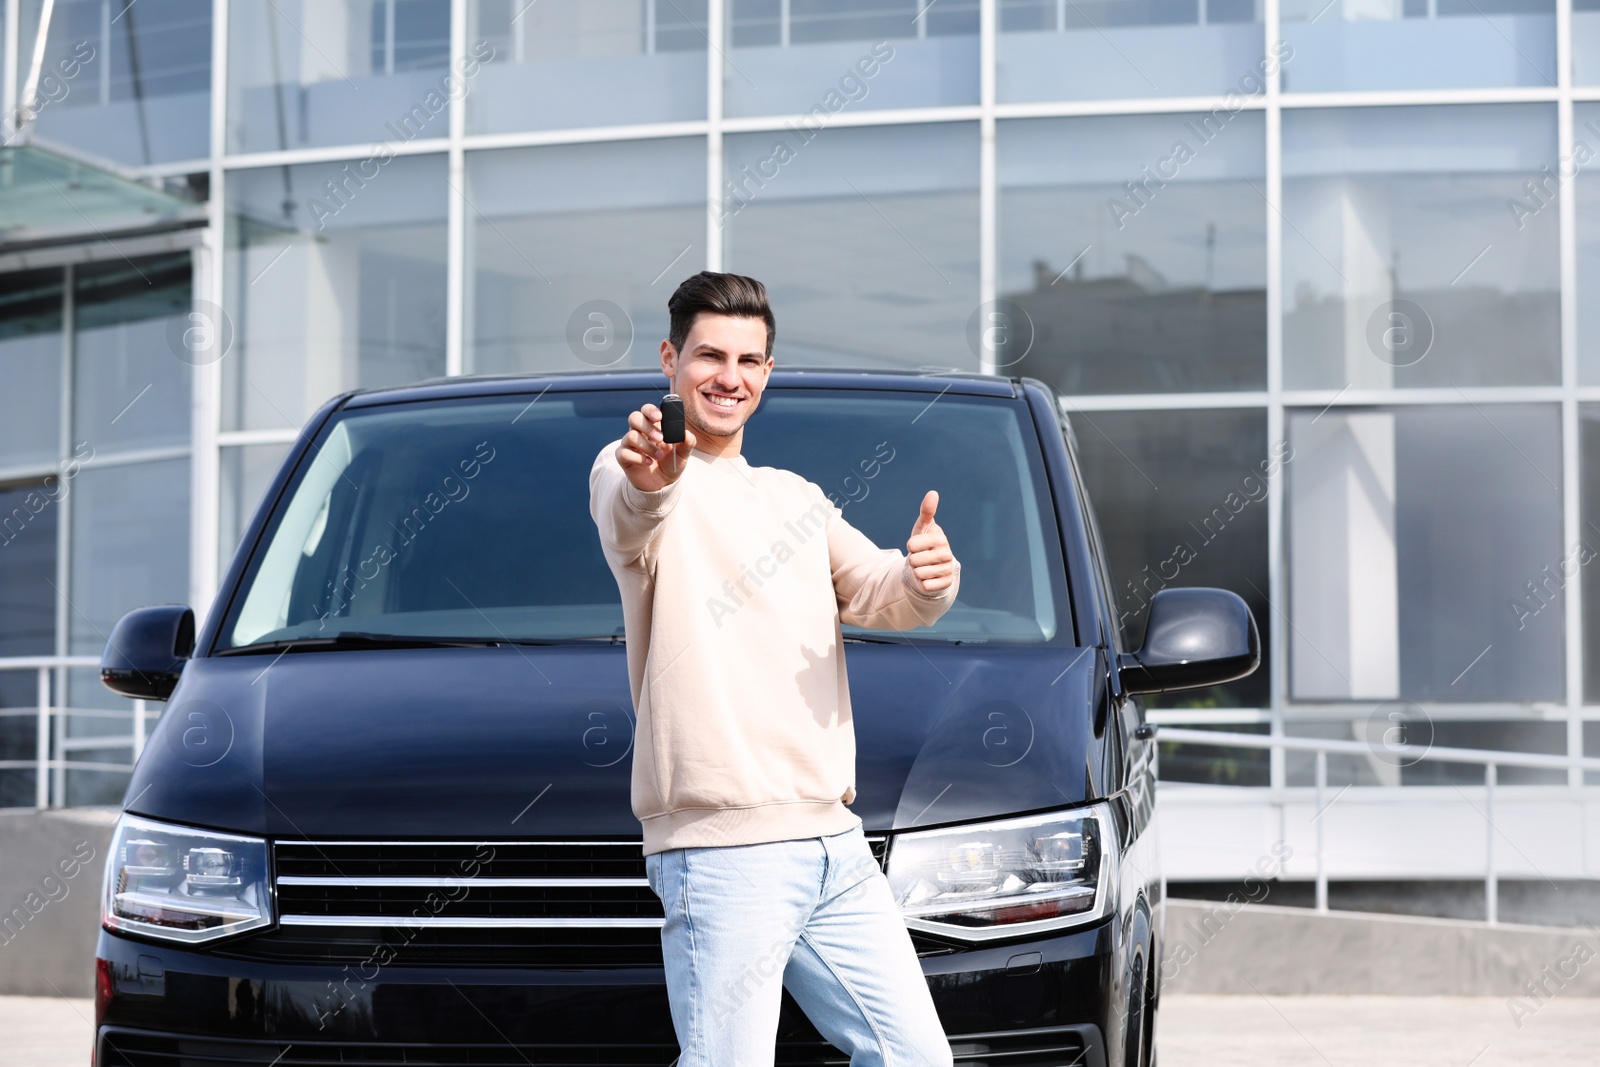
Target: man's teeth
x,y
724,402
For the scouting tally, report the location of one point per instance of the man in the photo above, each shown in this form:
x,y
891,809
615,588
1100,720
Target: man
x,y
744,756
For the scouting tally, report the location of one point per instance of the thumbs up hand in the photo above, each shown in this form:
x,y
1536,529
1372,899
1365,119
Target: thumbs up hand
x,y
928,550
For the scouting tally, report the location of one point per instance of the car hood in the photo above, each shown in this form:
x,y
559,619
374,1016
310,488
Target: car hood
x,y
536,741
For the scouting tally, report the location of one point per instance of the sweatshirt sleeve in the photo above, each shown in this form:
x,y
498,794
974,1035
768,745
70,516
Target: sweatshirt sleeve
x,y
626,516
874,586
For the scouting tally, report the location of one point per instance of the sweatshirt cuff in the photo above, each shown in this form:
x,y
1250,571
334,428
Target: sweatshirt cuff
x,y
649,502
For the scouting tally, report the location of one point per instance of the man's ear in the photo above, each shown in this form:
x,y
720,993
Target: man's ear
x,y
669,359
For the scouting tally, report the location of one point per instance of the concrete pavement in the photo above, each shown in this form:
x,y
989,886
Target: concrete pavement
x,y
1194,1031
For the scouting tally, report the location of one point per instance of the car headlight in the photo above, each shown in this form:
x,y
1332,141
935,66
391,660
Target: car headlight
x,y
181,884
1006,877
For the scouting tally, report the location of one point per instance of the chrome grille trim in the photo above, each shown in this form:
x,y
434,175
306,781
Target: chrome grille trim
x,y
428,882
295,910
459,920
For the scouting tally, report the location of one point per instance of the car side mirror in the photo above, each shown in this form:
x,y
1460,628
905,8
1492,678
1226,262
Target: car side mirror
x,y
147,651
1195,637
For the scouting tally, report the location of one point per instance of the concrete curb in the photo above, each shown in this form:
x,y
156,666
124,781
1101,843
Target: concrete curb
x,y
1258,948
51,868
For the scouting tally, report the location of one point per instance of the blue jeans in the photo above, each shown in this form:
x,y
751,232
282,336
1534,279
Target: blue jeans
x,y
815,912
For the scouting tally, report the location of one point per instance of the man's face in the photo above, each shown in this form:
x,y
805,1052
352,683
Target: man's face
x,y
720,373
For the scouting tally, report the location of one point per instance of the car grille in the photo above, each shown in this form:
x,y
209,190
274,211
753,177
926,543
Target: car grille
x,y
1052,1047
502,903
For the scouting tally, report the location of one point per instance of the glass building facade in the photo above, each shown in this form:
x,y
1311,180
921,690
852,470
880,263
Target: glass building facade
x,y
1318,277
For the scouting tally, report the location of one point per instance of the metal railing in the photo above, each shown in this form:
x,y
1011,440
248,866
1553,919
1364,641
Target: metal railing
x,y
52,744
1490,760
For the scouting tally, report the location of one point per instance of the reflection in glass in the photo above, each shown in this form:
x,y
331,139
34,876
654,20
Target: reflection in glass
x,y
887,272
1137,247
1180,497
130,390
567,63
247,471
1586,187
1419,44
562,238
1585,42
1587,552
1109,49
29,512
1418,249
30,365
820,57
335,280
1425,558
126,82
130,547
305,73
1216,764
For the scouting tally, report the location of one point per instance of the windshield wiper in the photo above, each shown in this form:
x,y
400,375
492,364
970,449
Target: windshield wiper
x,y
358,639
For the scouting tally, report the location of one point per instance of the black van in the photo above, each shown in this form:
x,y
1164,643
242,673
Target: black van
x,y
386,816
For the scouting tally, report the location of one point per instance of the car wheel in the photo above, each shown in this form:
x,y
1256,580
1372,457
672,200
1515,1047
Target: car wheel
x,y
1150,1017
1135,1049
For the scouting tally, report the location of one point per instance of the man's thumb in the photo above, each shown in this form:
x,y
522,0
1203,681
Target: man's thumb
x,y
930,503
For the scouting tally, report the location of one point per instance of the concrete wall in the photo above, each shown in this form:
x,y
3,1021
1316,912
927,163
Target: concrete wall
x,y
1256,948
51,866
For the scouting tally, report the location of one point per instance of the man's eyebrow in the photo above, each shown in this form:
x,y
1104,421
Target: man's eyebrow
x,y
706,348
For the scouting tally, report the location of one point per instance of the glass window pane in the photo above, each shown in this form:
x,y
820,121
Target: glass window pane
x,y
335,280
307,73
1413,252
247,471
1180,497
1418,44
30,365
29,512
887,274
560,235
125,82
1585,42
1136,245
1182,761
819,58
566,63
130,548
1588,547
130,389
1110,49
1586,186
1388,599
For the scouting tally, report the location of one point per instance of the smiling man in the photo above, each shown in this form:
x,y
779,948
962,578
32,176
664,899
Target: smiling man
x,y
734,581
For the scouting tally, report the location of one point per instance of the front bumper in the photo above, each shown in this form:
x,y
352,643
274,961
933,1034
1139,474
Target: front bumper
x,y
1030,1003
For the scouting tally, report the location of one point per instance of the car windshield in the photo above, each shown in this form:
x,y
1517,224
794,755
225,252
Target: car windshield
x,y
468,519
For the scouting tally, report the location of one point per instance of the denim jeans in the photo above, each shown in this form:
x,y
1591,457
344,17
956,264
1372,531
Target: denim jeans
x,y
817,913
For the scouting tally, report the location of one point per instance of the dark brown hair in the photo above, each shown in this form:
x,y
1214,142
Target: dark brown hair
x,y
719,294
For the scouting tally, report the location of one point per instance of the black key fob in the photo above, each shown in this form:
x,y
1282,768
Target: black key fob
x,y
672,418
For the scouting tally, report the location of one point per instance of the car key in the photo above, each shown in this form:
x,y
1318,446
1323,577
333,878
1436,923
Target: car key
x,y
672,423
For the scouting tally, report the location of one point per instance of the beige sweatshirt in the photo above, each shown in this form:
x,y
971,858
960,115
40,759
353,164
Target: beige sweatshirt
x,y
734,580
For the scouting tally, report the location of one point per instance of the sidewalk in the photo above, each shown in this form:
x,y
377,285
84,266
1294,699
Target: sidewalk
x,y
1195,1031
